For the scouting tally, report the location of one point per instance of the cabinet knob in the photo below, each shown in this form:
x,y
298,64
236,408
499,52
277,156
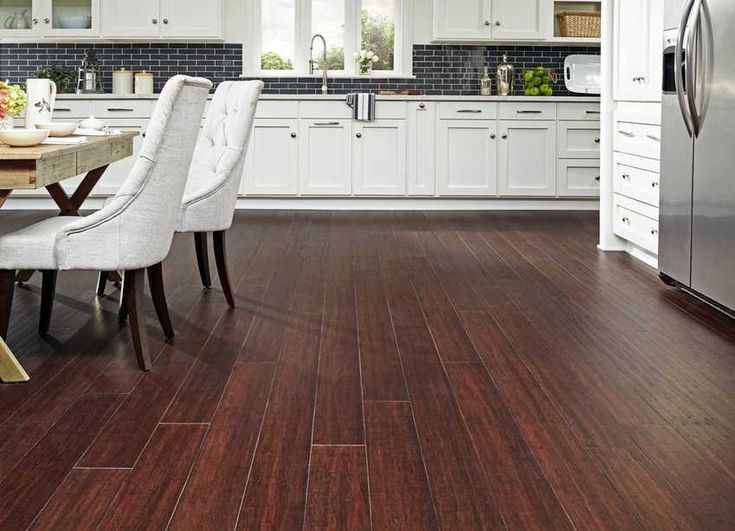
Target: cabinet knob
x,y
654,232
155,21
597,178
626,220
597,140
46,20
35,21
492,136
165,21
487,22
293,135
625,176
498,23
359,135
654,185
422,106
503,136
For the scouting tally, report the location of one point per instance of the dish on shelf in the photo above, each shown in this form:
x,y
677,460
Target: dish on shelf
x,y
23,137
58,129
75,22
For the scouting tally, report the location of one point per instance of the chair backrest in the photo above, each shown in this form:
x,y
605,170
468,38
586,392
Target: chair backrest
x,y
136,229
219,156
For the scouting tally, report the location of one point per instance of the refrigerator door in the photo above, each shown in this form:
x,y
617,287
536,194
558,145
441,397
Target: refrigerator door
x,y
677,161
713,225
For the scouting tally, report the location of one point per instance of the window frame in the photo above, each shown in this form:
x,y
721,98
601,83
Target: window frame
x,y
252,46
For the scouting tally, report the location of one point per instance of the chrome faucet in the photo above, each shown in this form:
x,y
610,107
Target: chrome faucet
x,y
325,81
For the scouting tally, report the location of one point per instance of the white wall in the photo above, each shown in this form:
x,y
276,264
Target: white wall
x,y
235,21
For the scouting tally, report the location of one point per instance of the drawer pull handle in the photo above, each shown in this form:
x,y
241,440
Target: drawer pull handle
x,y
654,138
529,112
471,111
118,109
627,133
326,123
592,112
62,110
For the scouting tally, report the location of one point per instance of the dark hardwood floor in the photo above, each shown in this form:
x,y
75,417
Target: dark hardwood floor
x,y
381,370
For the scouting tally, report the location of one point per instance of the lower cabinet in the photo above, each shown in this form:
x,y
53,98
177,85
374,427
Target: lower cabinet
x,y
578,178
272,162
325,157
467,157
421,164
379,158
527,158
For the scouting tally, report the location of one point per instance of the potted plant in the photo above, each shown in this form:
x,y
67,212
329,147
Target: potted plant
x,y
365,60
13,102
58,74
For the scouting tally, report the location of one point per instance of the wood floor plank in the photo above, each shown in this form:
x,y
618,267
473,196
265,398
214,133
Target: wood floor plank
x,y
29,485
215,489
399,490
82,500
338,489
338,414
149,496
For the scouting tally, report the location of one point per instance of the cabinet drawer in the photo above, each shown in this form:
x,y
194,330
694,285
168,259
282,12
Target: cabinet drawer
x,y
527,111
637,178
636,222
471,110
325,109
74,109
579,111
578,178
579,140
122,108
277,109
643,140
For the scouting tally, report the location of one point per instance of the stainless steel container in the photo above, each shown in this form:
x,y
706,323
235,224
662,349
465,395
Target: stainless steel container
x,y
504,77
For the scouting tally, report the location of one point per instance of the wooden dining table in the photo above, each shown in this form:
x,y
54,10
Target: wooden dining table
x,y
47,166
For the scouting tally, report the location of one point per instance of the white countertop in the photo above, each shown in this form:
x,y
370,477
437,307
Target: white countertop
x,y
341,97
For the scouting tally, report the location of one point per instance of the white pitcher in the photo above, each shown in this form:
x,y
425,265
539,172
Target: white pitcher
x,y
41,98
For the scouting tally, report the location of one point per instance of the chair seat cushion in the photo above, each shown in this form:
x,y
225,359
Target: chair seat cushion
x,y
33,247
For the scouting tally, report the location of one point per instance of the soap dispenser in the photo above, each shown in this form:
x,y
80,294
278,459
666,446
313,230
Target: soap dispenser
x,y
486,88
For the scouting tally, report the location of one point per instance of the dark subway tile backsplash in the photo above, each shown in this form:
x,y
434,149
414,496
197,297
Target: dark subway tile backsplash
x,y
438,69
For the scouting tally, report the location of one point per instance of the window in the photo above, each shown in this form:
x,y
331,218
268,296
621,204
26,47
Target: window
x,y
280,35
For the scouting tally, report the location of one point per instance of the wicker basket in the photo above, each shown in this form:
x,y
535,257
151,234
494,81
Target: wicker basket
x,y
579,24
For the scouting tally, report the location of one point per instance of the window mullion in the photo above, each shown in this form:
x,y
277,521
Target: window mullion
x,y
303,35
352,34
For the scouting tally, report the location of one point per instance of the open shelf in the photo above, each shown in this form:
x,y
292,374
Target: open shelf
x,y
588,6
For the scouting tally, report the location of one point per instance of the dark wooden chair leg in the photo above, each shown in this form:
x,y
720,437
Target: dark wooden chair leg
x,y
102,283
48,290
135,282
158,294
122,312
200,242
220,256
7,285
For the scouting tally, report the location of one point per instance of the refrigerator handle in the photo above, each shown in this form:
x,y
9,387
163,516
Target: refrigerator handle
x,y
682,49
691,67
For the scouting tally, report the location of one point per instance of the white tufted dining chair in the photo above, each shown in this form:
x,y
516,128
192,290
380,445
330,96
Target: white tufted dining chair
x,y
215,174
133,232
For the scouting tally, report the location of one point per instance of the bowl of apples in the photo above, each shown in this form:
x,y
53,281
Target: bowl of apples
x,y
538,81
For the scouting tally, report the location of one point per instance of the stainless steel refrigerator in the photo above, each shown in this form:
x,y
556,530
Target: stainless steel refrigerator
x,y
697,226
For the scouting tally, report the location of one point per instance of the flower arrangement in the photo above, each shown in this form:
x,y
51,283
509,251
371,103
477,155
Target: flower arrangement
x,y
365,60
13,101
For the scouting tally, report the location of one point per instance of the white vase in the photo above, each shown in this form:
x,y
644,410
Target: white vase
x,y
41,98
7,122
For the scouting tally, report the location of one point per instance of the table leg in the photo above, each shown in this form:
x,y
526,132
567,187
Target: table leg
x,y
11,371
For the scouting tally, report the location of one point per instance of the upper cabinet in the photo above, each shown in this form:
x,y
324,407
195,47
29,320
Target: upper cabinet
x,y
49,18
483,20
638,42
166,19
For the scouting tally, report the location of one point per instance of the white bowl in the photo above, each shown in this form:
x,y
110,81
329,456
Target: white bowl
x,y
23,137
58,129
76,22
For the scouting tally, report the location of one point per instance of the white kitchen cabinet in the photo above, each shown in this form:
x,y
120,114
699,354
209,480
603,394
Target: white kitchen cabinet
x,y
162,19
421,140
49,18
272,161
379,158
579,140
638,57
483,20
578,178
521,19
467,158
527,158
325,162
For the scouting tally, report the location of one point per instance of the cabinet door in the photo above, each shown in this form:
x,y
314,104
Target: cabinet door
x,y
272,163
578,178
462,20
132,18
579,140
527,155
379,158
639,50
521,19
467,157
325,164
191,18
421,159
72,18
21,18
